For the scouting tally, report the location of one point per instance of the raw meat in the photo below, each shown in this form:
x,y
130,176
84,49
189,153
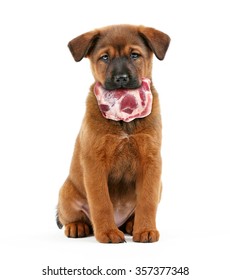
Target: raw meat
x,y
124,104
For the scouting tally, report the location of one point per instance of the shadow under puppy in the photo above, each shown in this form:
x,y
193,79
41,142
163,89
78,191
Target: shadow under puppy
x,y
114,183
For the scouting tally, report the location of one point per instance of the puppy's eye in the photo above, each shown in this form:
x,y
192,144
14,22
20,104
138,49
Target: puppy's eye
x,y
134,55
104,58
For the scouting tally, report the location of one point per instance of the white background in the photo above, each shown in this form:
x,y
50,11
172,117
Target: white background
x,y
42,103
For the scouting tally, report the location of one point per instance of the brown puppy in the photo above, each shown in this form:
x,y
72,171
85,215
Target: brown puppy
x,y
114,184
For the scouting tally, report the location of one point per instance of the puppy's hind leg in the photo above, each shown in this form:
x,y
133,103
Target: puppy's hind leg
x,y
127,227
72,212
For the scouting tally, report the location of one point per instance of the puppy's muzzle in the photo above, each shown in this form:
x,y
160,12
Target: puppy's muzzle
x,y
121,74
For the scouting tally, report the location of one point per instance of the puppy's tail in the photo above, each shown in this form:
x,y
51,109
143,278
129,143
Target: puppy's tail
x,y
59,224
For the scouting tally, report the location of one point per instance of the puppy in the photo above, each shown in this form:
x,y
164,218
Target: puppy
x,y
114,183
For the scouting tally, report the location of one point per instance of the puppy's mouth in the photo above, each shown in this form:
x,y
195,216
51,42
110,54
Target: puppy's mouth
x,y
124,104
122,82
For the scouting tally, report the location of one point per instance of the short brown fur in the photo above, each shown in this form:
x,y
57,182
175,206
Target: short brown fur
x,y
116,166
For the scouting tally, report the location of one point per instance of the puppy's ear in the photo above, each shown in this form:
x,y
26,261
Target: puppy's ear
x,y
157,41
82,45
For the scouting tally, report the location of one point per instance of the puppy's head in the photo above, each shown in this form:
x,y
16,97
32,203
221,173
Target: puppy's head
x,y
120,55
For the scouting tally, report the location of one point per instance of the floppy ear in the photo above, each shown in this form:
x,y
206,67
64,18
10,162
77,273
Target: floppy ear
x,y
80,46
156,40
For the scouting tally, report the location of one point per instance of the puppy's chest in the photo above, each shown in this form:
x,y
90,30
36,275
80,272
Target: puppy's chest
x,y
124,158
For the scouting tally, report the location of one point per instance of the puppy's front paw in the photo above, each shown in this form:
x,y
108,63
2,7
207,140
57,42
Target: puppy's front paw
x,y
77,229
146,236
111,236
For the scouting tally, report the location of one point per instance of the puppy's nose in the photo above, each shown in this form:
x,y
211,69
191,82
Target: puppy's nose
x,y
121,80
